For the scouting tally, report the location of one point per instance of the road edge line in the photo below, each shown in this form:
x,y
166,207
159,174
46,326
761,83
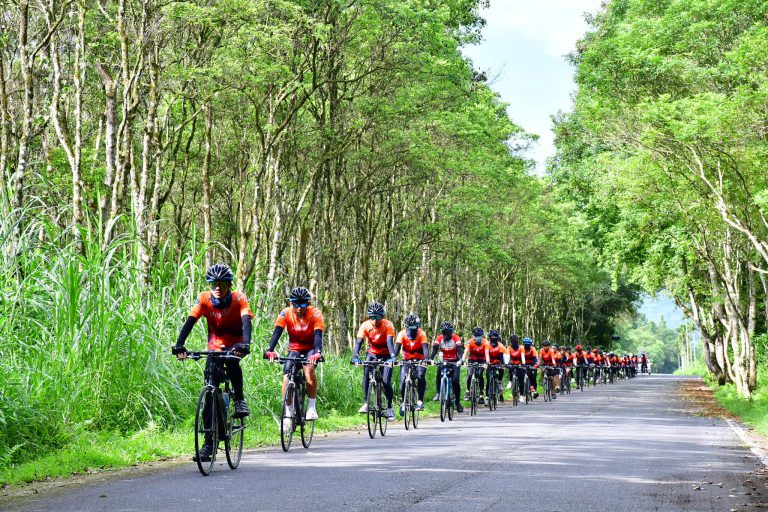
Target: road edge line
x,y
743,434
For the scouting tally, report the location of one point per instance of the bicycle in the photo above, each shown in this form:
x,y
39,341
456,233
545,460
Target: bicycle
x,y
547,383
410,393
514,369
565,386
446,390
214,418
376,416
294,405
493,388
474,386
527,383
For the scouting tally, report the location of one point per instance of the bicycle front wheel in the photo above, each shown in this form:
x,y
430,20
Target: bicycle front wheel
x,y
414,410
307,426
372,410
450,400
515,391
287,418
527,387
443,398
206,429
407,405
473,396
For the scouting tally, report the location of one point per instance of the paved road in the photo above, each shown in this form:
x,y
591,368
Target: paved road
x,y
630,446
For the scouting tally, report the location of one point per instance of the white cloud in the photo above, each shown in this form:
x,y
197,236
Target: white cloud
x,y
554,24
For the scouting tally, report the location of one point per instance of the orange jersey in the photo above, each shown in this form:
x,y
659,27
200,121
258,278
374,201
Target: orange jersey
x,y
412,349
475,351
516,356
496,353
531,356
449,348
376,336
301,331
597,359
547,356
580,358
225,325
567,359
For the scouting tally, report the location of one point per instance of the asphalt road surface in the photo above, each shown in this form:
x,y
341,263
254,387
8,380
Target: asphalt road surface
x,y
623,447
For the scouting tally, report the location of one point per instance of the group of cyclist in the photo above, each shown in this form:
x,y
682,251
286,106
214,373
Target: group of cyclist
x,y
229,326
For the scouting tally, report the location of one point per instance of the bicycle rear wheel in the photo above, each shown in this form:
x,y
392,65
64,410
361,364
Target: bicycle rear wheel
x,y
383,418
371,416
307,426
233,445
206,426
287,417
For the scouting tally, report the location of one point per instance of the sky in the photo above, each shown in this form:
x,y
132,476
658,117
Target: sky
x,y
523,53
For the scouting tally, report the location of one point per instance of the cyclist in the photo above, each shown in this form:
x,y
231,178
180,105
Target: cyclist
x,y
494,354
228,317
580,358
531,358
415,347
516,356
643,363
566,362
452,349
380,334
547,357
305,326
475,353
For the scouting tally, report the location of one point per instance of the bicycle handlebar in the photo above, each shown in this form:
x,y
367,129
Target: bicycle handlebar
x,y
221,354
302,360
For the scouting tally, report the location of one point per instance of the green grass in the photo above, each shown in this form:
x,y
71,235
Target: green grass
x,y
698,369
752,412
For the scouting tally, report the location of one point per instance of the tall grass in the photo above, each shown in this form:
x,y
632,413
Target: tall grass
x,y
85,344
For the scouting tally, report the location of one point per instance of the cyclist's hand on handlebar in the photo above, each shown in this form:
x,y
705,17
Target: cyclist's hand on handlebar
x,y
179,351
356,361
271,355
391,361
241,350
315,358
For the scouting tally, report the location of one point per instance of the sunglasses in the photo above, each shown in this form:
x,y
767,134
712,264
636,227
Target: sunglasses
x,y
219,284
301,305
375,317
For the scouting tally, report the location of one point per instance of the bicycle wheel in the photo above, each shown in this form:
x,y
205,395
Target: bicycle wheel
x,y
383,418
414,410
307,426
206,426
450,402
373,410
287,418
527,387
233,444
515,391
406,404
545,387
443,398
473,396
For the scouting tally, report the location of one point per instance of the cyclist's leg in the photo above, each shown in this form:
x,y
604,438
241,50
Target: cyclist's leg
x,y
311,378
521,380
366,376
481,380
403,375
235,375
422,385
455,382
288,369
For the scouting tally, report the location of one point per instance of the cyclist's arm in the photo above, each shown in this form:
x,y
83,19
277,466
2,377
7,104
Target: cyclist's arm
x,y
425,349
391,346
247,330
318,341
275,338
459,353
435,348
185,330
487,356
356,350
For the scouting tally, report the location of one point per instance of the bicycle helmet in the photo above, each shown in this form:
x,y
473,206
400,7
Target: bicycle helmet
x,y
477,331
527,342
446,327
412,321
376,309
300,294
493,334
514,338
578,348
219,272
545,343
594,350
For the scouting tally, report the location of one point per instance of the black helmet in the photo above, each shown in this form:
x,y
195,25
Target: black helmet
x,y
446,326
493,334
300,294
477,331
514,339
412,321
545,343
376,309
567,348
219,272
